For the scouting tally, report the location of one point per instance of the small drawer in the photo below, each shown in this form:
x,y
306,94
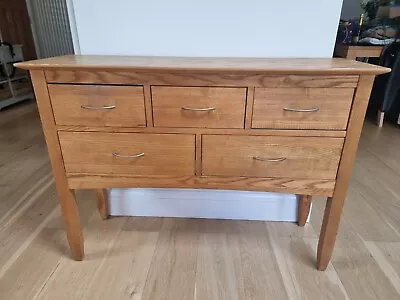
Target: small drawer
x,y
202,107
302,108
98,105
128,153
271,156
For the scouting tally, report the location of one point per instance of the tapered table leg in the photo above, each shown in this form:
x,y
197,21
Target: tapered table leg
x,y
303,210
102,203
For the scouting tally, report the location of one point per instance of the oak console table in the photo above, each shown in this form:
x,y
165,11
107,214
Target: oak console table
x,y
281,125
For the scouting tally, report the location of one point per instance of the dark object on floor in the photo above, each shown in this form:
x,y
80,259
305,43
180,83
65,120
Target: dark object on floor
x,y
385,96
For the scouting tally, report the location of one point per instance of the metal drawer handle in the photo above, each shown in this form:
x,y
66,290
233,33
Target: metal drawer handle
x,y
279,159
97,107
128,156
198,109
314,109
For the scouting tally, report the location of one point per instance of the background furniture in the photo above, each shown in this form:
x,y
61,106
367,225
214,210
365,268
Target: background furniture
x,y
366,51
282,125
385,96
15,85
352,52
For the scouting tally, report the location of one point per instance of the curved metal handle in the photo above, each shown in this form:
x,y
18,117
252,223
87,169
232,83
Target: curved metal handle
x,y
128,156
198,109
279,159
98,107
301,110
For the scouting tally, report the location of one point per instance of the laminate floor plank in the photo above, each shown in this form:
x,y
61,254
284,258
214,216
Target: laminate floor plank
x,y
74,278
218,276
172,273
387,255
16,232
296,260
34,266
125,268
261,275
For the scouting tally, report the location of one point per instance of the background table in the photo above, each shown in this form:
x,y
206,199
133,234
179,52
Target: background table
x,y
352,52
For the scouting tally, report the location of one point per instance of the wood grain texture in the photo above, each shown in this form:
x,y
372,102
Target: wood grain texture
x,y
65,195
335,203
291,66
219,272
164,154
172,273
102,203
80,275
303,209
269,132
299,157
333,108
322,187
198,79
253,244
227,104
128,101
124,271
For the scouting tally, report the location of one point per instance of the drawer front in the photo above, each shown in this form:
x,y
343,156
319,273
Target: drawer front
x,y
302,108
204,107
93,105
271,156
128,153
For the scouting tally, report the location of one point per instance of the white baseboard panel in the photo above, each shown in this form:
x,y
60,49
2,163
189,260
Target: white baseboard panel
x,y
192,203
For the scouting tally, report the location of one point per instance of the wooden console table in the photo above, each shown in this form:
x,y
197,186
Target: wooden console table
x,y
281,125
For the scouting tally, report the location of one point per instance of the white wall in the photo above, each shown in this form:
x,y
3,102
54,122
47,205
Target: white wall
x,y
258,28
225,28
351,9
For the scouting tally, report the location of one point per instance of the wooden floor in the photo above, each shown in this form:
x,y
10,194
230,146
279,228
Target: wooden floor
x,y
153,258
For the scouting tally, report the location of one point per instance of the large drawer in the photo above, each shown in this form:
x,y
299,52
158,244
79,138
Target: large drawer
x,y
128,153
271,156
302,108
203,107
98,105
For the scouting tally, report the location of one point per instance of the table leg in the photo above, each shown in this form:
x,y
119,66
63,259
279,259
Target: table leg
x,y
102,203
72,223
381,116
329,229
304,205
66,196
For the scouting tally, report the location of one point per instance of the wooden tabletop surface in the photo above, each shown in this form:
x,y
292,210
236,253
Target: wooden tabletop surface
x,y
202,64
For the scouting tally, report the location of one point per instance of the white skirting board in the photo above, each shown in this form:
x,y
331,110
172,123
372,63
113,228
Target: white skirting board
x,y
213,204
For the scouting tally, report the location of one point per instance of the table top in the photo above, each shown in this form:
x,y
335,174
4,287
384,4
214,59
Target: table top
x,y
206,64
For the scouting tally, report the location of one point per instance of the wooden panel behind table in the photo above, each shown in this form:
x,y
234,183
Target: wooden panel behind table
x,y
105,105
332,107
92,152
296,157
169,103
